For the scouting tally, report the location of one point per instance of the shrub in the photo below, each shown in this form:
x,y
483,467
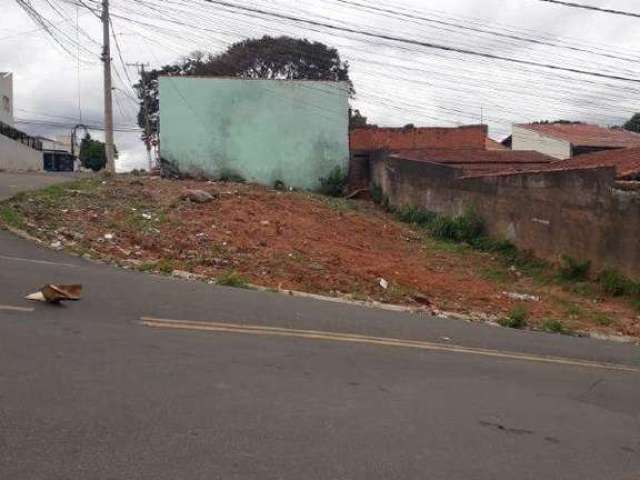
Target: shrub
x,y
517,318
232,278
555,326
334,185
230,176
376,193
416,216
616,284
465,228
280,186
574,270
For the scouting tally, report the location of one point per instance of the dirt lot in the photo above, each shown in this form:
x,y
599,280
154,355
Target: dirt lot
x,y
300,241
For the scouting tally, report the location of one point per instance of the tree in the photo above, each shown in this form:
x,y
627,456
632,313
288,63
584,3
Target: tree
x,y
633,124
275,58
357,120
93,154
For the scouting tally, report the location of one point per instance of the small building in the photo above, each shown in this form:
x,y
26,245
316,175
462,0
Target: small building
x,y
480,162
626,162
56,156
563,140
366,142
18,150
265,131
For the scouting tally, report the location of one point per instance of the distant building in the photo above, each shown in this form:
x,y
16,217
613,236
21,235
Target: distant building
x,y
566,140
56,155
265,131
6,98
626,161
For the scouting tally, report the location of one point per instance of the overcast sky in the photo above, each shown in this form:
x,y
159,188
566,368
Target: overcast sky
x,y
395,83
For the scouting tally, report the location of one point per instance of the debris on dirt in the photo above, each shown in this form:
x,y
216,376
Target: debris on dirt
x,y
185,275
56,293
384,284
525,297
422,300
197,196
57,245
109,236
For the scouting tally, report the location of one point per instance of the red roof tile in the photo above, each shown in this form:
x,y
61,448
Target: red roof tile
x,y
586,135
626,161
476,161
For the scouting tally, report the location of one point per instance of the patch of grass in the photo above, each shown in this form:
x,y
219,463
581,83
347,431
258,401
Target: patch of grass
x,y
516,319
231,176
636,304
12,217
232,278
616,284
166,266
574,310
341,205
495,274
602,319
415,216
555,326
572,270
334,184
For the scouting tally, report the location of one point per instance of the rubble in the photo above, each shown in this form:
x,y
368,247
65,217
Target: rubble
x,y
197,196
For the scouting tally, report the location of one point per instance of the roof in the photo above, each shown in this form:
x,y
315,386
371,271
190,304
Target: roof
x,y
626,161
586,135
494,145
481,161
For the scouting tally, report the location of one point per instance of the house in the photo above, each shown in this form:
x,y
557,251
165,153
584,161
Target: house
x,y
18,150
468,162
365,143
626,162
563,140
265,131
56,155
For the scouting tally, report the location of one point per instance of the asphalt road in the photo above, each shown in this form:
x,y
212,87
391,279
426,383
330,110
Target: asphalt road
x,y
12,183
221,383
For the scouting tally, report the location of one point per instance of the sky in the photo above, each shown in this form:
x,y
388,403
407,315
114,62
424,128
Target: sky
x,y
396,83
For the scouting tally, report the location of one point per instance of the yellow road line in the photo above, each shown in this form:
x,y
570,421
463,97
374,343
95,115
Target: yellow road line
x,y
364,339
16,309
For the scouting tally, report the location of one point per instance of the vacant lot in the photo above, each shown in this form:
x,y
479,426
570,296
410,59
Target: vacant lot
x,y
299,241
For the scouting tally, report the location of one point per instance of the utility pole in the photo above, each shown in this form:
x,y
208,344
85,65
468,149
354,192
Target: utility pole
x,y
108,102
145,111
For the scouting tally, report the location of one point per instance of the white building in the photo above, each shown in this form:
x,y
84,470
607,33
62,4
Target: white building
x,y
566,140
18,151
6,98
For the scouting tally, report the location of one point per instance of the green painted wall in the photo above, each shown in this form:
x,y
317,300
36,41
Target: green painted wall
x,y
264,130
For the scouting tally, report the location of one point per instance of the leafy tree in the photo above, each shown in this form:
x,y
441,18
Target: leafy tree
x,y
357,120
93,153
275,58
633,124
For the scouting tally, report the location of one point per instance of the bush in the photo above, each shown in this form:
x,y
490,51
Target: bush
x,y
517,318
229,176
232,278
280,186
555,326
376,193
616,284
465,228
334,185
574,270
416,216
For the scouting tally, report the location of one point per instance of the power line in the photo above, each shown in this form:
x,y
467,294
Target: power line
x,y
592,7
419,43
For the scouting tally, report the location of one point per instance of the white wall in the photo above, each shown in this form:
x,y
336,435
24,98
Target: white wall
x,y
6,98
526,139
14,156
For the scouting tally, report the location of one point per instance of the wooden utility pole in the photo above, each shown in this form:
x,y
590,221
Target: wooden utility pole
x,y
145,112
108,101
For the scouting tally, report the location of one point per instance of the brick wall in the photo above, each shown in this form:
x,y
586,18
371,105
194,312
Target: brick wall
x,y
576,212
397,139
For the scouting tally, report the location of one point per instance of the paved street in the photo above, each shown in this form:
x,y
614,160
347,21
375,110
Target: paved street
x,y
12,183
156,378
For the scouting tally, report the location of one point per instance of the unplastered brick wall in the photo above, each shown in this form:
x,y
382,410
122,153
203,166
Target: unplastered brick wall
x,y
579,213
398,139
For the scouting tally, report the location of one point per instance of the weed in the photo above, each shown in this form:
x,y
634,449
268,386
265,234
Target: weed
x,y
11,217
574,310
555,326
516,319
416,216
636,304
616,284
231,176
280,186
602,319
232,278
572,270
334,185
339,204
495,274
165,266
